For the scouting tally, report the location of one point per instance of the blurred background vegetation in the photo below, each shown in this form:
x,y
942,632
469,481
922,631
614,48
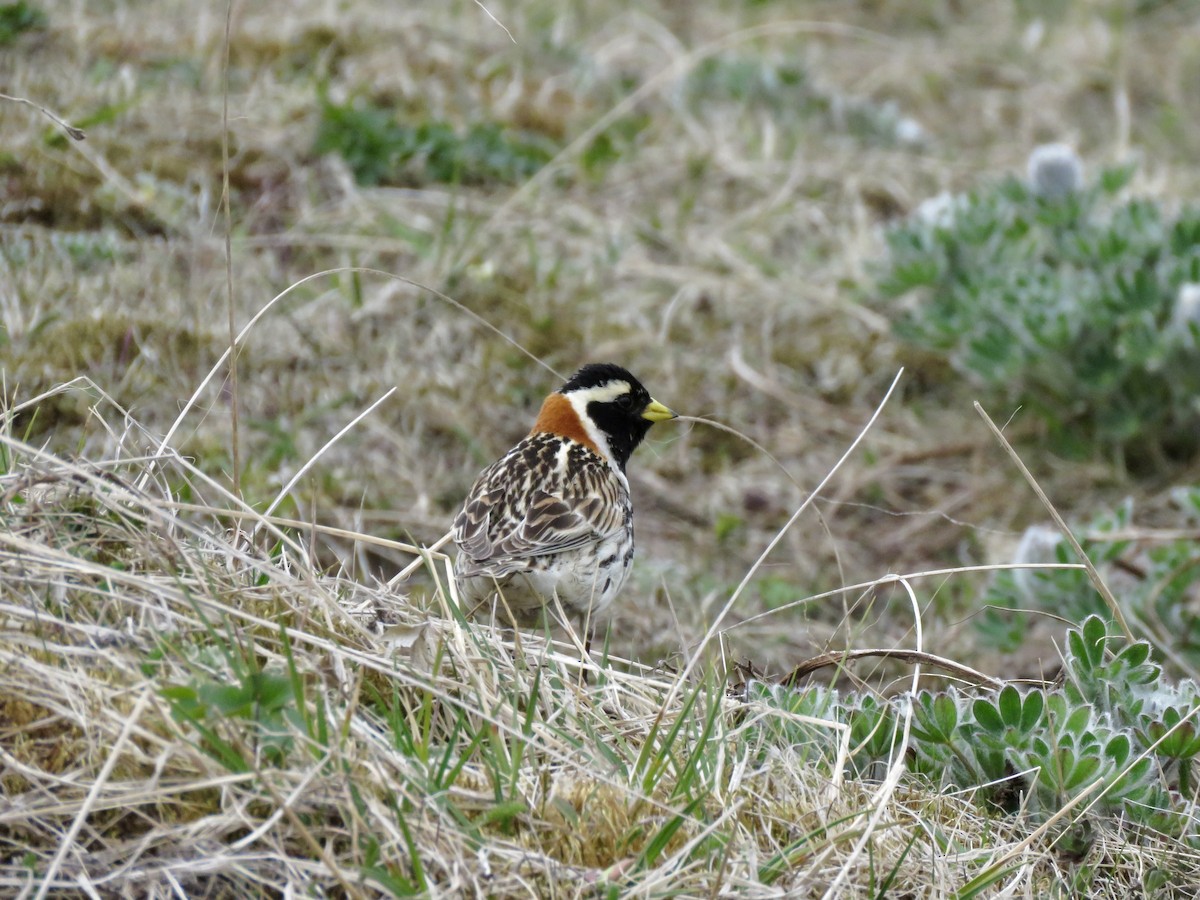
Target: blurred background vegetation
x,y
763,209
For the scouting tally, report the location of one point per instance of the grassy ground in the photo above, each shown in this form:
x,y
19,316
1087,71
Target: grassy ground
x,y
199,697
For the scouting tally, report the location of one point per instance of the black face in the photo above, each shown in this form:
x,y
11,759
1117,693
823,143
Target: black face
x,y
621,418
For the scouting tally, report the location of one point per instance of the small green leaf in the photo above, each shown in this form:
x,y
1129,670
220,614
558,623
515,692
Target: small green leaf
x,y
1081,773
1009,706
1078,721
1063,764
1114,179
1077,650
1095,634
988,716
503,814
232,700
1031,711
1135,654
945,711
179,693
1117,749
1135,791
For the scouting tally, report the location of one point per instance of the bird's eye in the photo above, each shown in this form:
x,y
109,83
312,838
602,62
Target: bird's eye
x,y
625,401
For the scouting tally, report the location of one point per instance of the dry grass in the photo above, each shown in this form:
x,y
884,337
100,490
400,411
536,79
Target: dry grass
x,y
192,708
719,253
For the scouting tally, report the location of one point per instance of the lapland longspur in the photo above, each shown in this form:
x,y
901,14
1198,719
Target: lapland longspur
x,y
552,519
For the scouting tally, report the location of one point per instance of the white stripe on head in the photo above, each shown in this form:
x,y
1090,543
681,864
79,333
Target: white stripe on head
x,y
603,393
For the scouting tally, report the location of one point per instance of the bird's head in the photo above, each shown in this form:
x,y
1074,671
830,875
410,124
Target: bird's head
x,y
604,407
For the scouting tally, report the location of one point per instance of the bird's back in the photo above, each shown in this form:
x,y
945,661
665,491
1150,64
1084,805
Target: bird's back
x,y
551,517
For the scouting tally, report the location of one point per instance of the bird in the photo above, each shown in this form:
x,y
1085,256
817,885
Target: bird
x,y
549,525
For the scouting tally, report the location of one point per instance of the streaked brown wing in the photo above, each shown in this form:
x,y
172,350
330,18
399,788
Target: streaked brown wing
x,y
473,524
555,524
505,524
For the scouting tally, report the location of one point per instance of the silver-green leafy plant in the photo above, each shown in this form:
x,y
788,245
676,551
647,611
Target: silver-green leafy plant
x,y
1063,298
1154,582
1112,738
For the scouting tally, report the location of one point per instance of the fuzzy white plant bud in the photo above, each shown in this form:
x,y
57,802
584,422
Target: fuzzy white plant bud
x,y
1038,544
1055,171
1187,310
940,210
910,132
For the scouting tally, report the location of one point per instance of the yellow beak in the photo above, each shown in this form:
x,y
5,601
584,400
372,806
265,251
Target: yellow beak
x,y
656,412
